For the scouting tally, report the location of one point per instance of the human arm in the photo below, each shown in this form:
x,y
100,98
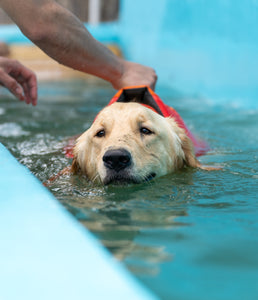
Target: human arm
x,y
19,80
63,37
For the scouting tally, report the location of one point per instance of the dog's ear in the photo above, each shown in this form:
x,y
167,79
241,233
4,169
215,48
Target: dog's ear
x,y
78,164
75,169
184,150
190,159
187,156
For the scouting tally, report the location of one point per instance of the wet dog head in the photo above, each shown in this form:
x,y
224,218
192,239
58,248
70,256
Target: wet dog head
x,y
131,143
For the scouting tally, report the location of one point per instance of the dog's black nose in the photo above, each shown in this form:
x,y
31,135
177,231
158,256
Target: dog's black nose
x,y
117,159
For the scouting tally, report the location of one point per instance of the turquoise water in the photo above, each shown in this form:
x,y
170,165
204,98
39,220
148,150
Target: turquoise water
x,y
189,235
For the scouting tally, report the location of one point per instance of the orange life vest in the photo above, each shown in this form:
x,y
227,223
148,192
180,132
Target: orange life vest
x,y
145,96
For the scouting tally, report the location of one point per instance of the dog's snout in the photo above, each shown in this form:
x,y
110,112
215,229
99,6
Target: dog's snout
x,y
117,159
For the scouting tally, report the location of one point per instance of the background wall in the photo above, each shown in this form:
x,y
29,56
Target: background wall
x,y
199,47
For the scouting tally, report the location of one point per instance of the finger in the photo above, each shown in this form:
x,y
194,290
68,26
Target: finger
x,y
33,89
153,85
12,85
26,92
25,87
155,81
30,90
28,80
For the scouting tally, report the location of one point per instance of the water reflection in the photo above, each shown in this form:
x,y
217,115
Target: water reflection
x,y
131,221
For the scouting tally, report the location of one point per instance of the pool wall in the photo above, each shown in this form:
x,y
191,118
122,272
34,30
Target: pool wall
x,y
45,253
206,48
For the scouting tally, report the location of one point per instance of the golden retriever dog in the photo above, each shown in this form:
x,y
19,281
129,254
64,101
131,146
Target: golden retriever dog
x,y
130,141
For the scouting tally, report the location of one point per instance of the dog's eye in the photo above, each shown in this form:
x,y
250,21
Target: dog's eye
x,y
145,131
100,133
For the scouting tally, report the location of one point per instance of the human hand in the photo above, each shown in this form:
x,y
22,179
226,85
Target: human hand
x,y
134,74
19,80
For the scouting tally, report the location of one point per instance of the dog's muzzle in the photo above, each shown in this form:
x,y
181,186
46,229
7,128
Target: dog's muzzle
x,y
118,163
117,159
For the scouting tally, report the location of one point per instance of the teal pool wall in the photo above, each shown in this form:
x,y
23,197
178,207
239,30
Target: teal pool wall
x,y
45,253
206,48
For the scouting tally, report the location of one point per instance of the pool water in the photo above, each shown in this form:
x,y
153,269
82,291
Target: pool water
x,y
189,235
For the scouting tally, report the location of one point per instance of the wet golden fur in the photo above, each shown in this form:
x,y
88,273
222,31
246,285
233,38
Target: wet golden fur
x,y
156,144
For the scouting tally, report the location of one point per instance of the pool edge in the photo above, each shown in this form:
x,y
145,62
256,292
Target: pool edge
x,y
45,252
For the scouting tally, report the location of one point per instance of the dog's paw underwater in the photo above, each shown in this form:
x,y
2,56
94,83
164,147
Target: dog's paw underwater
x,y
134,139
